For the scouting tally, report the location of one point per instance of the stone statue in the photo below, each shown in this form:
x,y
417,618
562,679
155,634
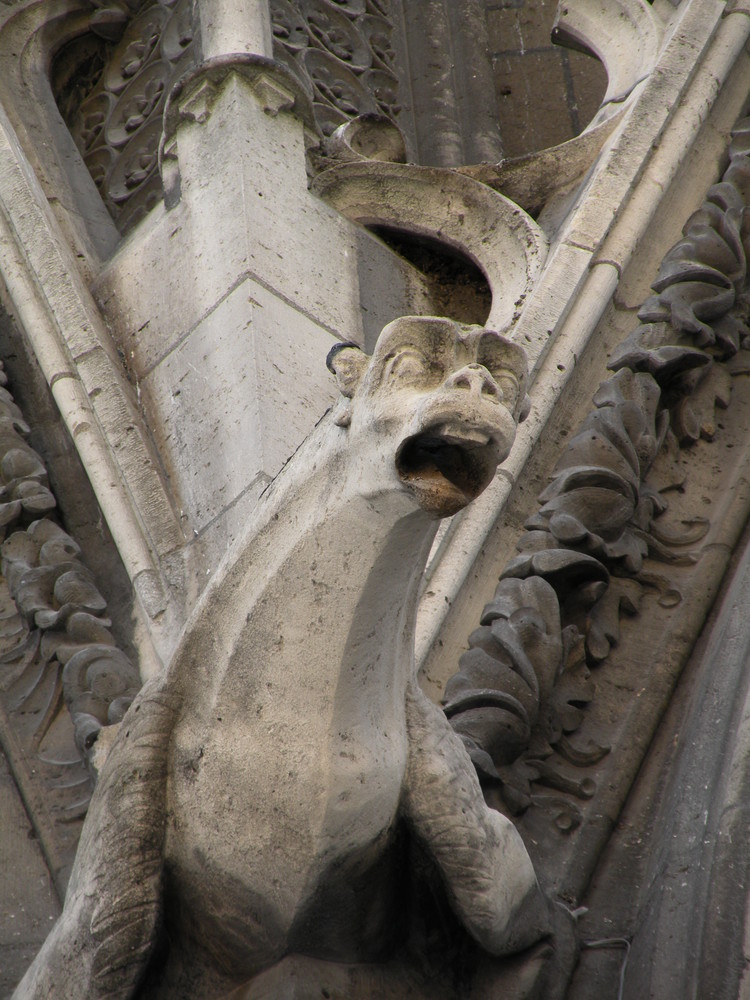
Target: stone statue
x,y
251,829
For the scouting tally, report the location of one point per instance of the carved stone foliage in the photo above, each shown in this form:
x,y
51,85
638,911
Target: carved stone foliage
x,y
61,676
343,53
519,698
111,94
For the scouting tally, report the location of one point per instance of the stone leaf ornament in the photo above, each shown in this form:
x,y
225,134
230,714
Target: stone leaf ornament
x,y
62,679
256,807
57,596
518,699
342,53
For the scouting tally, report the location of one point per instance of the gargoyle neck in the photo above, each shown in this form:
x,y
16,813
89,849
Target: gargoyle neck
x,y
354,579
379,547
364,546
323,583
357,570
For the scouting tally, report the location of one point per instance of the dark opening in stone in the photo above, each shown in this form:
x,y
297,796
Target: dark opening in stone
x,y
457,285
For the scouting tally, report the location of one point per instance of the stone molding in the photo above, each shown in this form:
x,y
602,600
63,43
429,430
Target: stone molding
x,y
72,346
452,209
193,96
45,275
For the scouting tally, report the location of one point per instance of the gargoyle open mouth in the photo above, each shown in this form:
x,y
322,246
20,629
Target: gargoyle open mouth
x,y
447,466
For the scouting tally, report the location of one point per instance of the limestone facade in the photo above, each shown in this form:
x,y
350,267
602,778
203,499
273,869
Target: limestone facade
x,y
199,201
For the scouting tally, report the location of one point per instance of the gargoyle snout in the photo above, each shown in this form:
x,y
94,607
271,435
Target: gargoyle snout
x,y
477,379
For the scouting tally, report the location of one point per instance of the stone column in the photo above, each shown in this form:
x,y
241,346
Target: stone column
x,y
230,26
452,92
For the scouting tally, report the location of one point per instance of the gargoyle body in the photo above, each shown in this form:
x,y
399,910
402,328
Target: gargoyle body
x,y
254,809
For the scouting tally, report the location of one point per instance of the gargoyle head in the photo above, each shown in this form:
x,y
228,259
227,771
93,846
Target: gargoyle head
x,y
447,399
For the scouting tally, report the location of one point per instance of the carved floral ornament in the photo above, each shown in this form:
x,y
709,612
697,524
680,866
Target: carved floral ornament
x,y
519,697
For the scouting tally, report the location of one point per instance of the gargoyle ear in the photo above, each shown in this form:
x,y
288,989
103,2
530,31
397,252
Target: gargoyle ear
x,y
348,363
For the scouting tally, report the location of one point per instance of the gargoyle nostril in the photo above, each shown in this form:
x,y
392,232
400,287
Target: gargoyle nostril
x,y
477,379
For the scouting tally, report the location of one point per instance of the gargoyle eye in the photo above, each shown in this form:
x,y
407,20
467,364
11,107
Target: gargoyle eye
x,y
509,386
409,364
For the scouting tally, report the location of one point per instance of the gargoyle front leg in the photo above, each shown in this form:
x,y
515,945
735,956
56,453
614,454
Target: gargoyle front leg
x,y
484,864
101,944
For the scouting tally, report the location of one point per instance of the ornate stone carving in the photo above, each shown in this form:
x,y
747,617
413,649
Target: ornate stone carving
x,y
286,751
349,58
112,99
115,114
343,53
518,698
56,595
56,650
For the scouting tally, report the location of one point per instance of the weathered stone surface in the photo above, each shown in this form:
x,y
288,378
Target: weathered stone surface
x,y
607,520
268,399
287,751
545,93
166,314
25,918
453,209
674,877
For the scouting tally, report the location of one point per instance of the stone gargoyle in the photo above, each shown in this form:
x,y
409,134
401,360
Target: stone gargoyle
x,y
251,830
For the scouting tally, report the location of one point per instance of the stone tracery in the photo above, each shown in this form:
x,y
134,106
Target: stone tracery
x,y
342,54
116,121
